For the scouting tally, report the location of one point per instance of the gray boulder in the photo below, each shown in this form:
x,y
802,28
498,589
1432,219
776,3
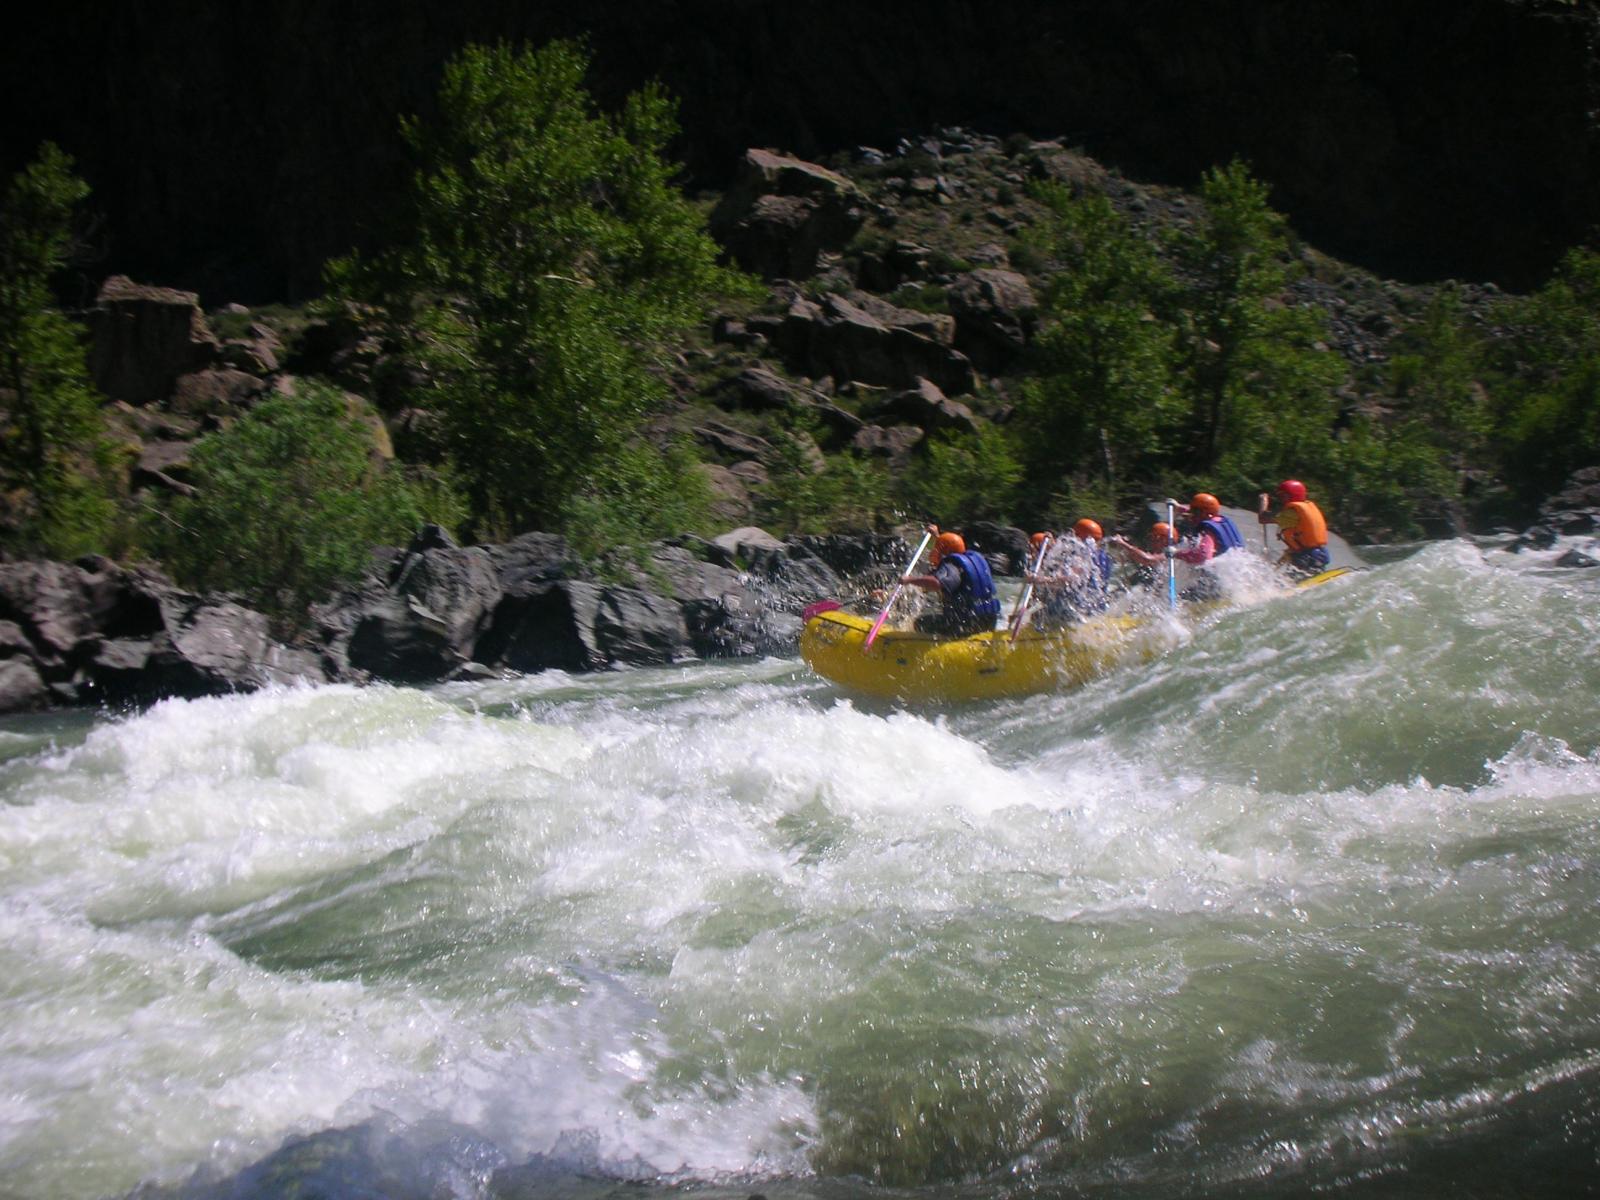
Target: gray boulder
x,y
995,313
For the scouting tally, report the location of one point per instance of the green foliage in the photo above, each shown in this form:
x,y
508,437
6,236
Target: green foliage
x,y
805,495
289,501
1259,381
547,264
636,496
1434,376
1547,378
1388,476
1104,397
56,464
966,477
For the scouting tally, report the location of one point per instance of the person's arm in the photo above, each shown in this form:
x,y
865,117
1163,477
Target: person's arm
x,y
1143,557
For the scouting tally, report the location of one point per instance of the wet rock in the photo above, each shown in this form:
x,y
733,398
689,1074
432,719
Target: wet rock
x,y
1577,558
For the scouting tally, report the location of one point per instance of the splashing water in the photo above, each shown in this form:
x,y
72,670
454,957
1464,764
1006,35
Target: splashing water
x,y
1309,902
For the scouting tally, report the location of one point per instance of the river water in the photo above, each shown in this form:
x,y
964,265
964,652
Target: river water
x,y
1307,903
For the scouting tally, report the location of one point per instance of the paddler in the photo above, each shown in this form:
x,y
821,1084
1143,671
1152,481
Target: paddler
x,y
1301,528
1077,586
965,586
1204,534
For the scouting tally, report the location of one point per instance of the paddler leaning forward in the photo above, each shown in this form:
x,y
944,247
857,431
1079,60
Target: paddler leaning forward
x,y
1204,534
965,587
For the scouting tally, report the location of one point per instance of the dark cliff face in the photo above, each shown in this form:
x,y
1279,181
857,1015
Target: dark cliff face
x,y
232,150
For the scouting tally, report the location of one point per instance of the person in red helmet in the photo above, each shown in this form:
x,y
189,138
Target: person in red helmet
x,y
1301,528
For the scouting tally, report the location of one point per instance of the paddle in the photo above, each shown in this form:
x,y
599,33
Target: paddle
x,y
895,595
1261,511
1021,615
1172,553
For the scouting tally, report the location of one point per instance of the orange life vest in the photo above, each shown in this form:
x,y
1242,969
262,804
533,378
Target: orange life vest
x,y
1306,529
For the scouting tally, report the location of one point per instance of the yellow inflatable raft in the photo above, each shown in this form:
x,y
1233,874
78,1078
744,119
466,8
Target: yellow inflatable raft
x,y
904,665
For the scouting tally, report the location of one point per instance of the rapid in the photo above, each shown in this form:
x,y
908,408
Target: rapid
x,y
1311,901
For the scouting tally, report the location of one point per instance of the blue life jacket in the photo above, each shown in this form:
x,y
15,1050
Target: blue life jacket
x,y
1225,531
977,594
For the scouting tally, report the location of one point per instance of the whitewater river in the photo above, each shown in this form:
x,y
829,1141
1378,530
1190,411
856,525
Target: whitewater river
x,y
1307,903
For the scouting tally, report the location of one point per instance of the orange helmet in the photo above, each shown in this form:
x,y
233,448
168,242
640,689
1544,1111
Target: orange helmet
x,y
947,543
1204,504
1086,529
1291,490
1160,535
1038,540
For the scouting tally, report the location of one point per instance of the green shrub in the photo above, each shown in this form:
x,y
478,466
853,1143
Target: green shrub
x,y
288,503
965,477
1546,379
636,496
57,468
545,268
849,490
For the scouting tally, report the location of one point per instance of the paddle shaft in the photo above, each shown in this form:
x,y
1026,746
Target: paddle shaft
x,y
895,595
1172,554
1261,511
1021,615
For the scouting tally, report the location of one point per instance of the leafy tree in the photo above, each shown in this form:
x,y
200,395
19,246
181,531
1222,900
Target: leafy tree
x,y
1260,381
288,502
55,461
966,477
805,495
1434,376
546,264
1104,395
1547,390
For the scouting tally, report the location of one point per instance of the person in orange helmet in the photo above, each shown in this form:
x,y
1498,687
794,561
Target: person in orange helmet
x,y
1078,586
1301,528
962,579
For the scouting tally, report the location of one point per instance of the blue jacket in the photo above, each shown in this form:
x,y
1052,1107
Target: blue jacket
x,y
1225,531
976,593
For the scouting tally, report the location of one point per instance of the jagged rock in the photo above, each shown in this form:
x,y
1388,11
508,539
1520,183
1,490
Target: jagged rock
x,y
21,687
756,389
894,443
928,408
855,553
938,327
734,443
1576,507
995,312
1577,558
440,599
143,338
746,541
781,213
574,625
259,354
220,392
902,262
207,648
730,495
840,339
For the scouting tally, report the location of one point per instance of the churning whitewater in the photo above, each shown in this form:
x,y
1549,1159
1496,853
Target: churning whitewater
x,y
1310,900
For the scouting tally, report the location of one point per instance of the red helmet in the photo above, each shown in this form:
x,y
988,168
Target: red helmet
x,y
1160,535
1291,491
947,543
1087,529
1205,504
